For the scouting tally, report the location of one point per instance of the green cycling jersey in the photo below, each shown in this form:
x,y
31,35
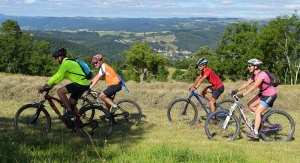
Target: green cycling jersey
x,y
66,71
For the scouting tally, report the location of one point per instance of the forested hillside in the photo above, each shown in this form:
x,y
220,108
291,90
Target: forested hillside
x,y
111,44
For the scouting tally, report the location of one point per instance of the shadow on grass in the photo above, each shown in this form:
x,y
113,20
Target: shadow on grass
x,y
61,144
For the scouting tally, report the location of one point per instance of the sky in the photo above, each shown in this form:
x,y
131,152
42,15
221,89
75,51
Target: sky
x,y
255,9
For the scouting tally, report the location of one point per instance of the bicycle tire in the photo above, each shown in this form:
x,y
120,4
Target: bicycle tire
x,y
214,130
96,123
176,113
130,112
25,125
285,122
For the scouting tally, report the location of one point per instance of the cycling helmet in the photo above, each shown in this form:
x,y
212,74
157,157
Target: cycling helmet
x,y
254,62
97,58
201,61
60,52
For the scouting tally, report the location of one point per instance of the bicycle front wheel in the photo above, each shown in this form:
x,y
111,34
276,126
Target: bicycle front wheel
x,y
129,112
32,121
220,126
182,111
277,125
95,122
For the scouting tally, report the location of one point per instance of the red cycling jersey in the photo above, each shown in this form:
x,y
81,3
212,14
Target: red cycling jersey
x,y
212,77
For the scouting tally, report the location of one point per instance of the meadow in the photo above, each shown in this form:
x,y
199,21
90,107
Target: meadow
x,y
154,140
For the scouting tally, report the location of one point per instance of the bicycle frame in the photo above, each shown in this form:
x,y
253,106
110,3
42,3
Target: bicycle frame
x,y
198,97
53,106
244,117
94,95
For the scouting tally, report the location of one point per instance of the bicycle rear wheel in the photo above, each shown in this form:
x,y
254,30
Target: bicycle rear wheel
x,y
182,111
129,112
214,127
29,122
95,122
277,125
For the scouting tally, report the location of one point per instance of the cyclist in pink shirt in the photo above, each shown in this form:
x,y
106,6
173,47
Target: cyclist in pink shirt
x,y
264,99
216,88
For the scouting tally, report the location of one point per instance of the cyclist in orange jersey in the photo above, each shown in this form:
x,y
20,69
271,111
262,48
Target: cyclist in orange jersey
x,y
112,81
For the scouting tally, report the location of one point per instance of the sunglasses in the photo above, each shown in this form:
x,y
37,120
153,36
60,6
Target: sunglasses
x,y
55,58
95,63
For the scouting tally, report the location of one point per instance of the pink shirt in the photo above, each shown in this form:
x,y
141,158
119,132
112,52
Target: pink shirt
x,y
270,91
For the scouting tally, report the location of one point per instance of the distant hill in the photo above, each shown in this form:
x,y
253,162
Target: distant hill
x,y
111,36
119,24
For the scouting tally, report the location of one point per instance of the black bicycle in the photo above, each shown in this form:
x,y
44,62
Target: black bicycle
x,y
184,110
129,111
33,119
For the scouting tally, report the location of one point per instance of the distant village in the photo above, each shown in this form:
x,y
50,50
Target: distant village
x,y
173,54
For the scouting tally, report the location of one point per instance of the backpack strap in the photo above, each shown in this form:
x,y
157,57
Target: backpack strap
x,y
269,84
74,72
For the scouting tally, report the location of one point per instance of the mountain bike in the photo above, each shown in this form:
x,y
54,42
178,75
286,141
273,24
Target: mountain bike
x,y
276,125
184,110
33,120
129,111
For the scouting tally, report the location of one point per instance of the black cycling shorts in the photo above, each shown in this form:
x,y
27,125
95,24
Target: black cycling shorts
x,y
113,89
267,101
216,92
76,90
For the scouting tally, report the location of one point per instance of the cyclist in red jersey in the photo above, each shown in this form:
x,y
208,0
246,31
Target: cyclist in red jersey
x,y
216,88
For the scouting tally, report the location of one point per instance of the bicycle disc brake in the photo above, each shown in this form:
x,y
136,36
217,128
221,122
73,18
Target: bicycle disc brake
x,y
126,115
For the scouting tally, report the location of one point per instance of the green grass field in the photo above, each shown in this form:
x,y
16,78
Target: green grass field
x,y
154,140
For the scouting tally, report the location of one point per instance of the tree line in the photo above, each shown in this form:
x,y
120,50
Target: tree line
x,y
23,54
275,43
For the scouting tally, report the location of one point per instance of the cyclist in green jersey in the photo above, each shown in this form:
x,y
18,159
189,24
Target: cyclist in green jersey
x,y
68,70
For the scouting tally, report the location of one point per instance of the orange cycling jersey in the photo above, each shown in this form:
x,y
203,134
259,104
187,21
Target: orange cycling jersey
x,y
109,74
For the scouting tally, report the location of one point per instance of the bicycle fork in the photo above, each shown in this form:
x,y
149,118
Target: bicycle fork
x,y
35,118
224,125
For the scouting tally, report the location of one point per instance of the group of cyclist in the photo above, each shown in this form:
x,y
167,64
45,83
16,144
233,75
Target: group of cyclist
x,y
69,70
264,99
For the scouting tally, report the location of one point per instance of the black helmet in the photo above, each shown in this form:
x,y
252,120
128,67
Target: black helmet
x,y
60,52
201,61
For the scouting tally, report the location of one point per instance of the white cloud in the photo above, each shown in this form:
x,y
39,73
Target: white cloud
x,y
29,1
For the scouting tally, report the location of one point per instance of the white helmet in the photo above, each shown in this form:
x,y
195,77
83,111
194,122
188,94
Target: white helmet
x,y
254,62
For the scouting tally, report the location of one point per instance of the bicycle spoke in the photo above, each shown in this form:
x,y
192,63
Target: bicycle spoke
x,y
182,111
277,126
129,112
215,130
96,123
28,124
